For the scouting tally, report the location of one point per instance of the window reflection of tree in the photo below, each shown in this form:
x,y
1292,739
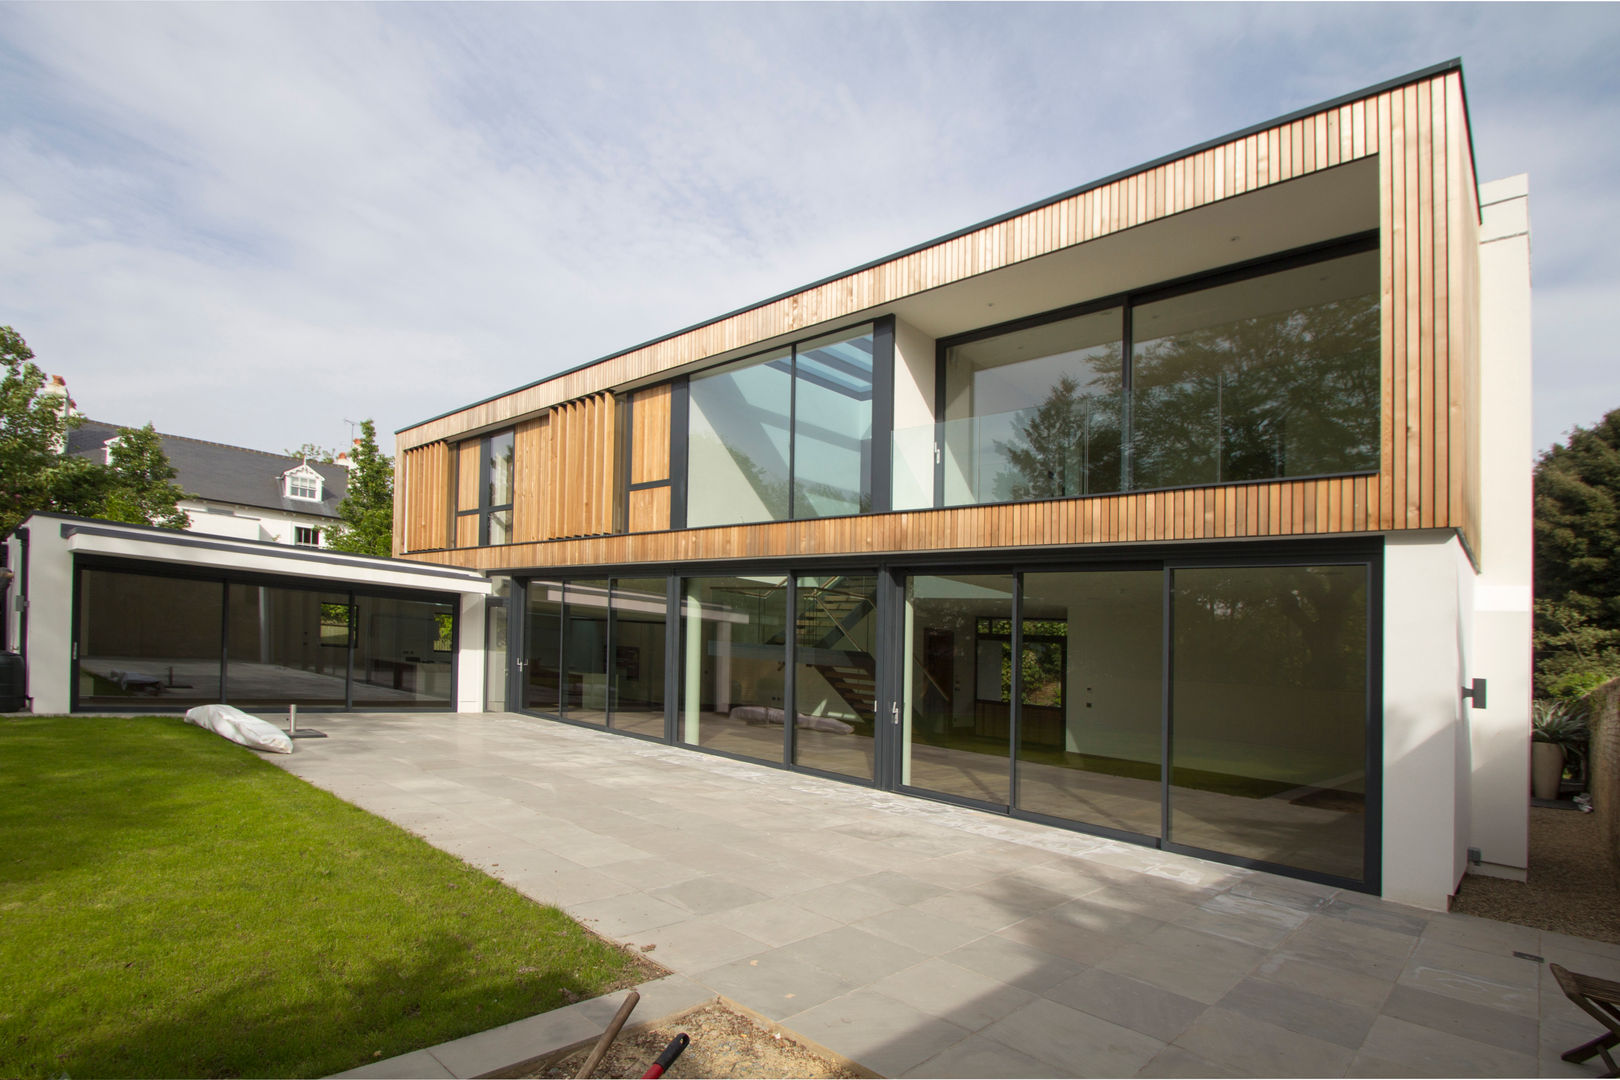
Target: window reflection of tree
x,y
1068,444
1293,393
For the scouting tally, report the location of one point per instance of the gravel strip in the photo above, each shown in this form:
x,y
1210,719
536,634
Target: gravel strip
x,y
1571,888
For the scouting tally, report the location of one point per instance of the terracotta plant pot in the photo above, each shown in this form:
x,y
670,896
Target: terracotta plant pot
x,y
1546,769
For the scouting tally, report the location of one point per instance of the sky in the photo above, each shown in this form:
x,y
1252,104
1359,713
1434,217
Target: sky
x,y
261,223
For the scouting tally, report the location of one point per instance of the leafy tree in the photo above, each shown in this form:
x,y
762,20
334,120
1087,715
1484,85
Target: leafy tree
x,y
32,427
367,509
311,452
1577,529
142,489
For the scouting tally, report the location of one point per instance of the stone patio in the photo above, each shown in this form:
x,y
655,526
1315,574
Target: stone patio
x,y
921,939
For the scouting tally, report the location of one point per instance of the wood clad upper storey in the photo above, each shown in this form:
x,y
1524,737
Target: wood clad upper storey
x,y
1412,136
424,479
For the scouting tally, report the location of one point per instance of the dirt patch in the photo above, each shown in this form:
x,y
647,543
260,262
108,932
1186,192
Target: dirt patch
x,y
1570,888
725,1043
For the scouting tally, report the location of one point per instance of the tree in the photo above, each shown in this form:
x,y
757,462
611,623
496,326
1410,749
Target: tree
x,y
33,426
367,509
142,489
311,452
1577,529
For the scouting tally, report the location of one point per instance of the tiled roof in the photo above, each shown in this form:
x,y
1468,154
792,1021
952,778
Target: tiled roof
x,y
228,474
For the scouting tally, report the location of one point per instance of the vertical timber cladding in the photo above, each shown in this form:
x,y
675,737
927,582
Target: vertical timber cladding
x,y
425,478
565,471
1428,226
648,509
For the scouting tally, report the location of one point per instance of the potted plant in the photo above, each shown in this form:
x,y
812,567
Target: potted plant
x,y
1556,727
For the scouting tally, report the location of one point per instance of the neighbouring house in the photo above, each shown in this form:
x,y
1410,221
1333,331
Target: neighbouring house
x,y
234,491
1190,507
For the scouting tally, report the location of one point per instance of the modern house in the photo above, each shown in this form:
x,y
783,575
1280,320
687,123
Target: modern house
x,y
1189,507
234,491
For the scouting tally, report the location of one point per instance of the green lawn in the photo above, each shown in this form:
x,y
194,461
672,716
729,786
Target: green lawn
x,y
171,905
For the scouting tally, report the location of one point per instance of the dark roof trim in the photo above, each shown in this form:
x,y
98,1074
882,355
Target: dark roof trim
x,y
74,526
1454,64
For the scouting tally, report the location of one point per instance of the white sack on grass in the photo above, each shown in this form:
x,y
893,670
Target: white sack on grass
x,y
239,727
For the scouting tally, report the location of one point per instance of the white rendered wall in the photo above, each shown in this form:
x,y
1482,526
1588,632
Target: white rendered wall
x,y
1425,743
913,417
251,523
1500,734
470,654
50,615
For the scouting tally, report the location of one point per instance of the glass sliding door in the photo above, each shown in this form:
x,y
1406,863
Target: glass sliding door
x,y
1090,734
1268,729
145,639
496,627
404,652
733,651
956,736
638,634
288,645
542,648
835,673
585,645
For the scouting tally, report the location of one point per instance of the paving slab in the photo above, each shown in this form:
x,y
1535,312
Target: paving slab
x,y
919,938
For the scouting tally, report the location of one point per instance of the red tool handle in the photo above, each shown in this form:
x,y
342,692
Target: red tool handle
x,y
667,1058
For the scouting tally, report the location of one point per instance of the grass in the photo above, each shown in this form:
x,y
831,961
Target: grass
x,y
171,905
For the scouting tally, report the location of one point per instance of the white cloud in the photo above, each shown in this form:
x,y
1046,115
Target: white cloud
x,y
248,222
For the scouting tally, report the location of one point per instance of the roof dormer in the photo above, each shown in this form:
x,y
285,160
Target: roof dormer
x,y
303,482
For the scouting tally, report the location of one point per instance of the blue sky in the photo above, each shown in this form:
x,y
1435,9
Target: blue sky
x,y
250,222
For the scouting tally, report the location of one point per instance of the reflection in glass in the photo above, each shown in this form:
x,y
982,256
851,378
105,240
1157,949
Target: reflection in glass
x,y
1269,714
288,645
147,640
737,442
835,673
404,651
1270,376
585,641
542,643
639,605
1089,735
498,449
495,633
832,431
1034,413
956,736
733,649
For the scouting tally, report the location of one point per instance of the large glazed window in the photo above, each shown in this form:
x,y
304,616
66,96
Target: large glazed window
x,y
1267,377
832,429
733,651
783,435
497,489
1268,714
738,442
585,645
145,639
1034,413
638,606
1257,374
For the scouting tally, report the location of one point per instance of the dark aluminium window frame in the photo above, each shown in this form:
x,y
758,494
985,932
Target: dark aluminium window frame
x,y
225,579
1356,244
882,454
484,508
891,573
